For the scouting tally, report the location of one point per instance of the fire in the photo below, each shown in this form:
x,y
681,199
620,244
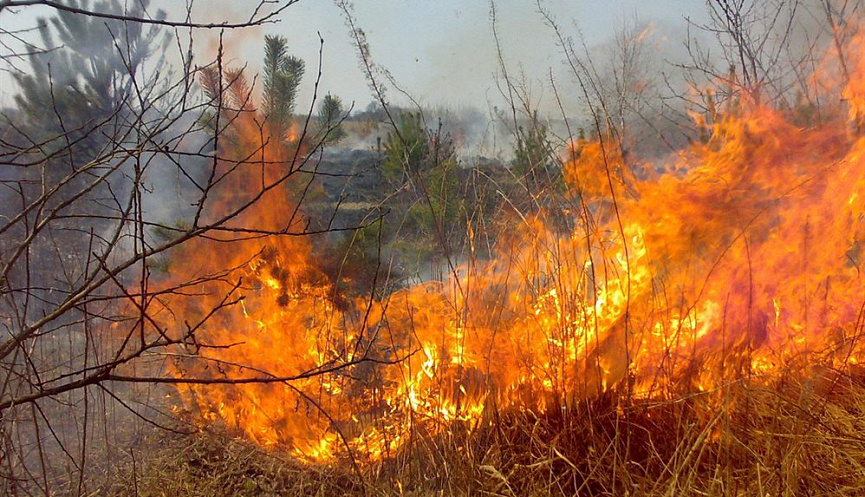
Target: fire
x,y
294,132
741,259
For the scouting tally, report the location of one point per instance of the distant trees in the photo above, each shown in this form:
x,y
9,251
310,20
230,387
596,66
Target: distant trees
x,y
330,115
422,164
534,160
406,148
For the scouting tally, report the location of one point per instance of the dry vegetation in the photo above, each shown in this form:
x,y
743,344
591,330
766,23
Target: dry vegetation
x,y
666,302
800,435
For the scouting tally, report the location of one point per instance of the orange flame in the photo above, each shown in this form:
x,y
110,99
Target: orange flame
x,y
743,258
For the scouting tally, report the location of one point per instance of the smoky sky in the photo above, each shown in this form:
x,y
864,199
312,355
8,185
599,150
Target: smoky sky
x,y
444,52
439,53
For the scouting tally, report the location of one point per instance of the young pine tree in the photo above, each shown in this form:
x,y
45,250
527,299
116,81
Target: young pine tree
x,y
282,75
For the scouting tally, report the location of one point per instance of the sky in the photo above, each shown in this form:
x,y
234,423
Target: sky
x,y
441,53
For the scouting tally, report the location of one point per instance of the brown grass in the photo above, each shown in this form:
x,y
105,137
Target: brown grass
x,y
787,437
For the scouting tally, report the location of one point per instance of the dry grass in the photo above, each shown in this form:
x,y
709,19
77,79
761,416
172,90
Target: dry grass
x,y
211,464
792,437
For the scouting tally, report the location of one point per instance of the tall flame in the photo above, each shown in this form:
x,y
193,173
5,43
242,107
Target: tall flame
x,y
742,258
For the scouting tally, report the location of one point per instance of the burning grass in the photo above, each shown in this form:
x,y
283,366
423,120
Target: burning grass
x,y
740,259
796,435
695,327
